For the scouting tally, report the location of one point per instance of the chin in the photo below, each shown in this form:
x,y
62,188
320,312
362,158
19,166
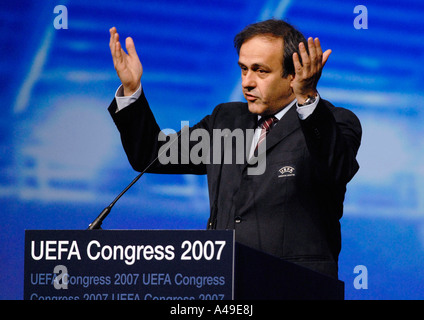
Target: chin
x,y
256,108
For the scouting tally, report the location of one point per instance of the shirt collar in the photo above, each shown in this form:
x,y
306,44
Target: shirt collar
x,y
282,112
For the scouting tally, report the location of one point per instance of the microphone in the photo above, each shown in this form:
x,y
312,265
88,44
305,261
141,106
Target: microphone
x,y
97,223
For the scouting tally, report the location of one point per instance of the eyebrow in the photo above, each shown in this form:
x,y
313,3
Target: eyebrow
x,y
255,66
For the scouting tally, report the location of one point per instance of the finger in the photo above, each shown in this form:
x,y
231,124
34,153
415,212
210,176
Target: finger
x,y
319,51
119,53
112,43
304,55
116,51
318,46
296,63
129,44
312,51
114,37
112,32
325,56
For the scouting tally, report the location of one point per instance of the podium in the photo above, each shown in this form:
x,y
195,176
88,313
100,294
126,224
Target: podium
x,y
162,265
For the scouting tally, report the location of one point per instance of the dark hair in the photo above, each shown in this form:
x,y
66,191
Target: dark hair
x,y
278,29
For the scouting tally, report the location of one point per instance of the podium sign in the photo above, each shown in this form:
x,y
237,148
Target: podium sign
x,y
129,265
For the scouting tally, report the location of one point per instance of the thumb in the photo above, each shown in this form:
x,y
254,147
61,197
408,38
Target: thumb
x,y
129,44
325,56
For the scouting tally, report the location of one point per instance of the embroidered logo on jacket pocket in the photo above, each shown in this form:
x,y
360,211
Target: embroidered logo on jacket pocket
x,y
287,171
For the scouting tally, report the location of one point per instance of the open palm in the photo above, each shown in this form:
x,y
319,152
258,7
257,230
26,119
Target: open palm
x,y
127,66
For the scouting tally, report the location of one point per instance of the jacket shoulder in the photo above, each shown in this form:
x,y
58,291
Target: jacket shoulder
x,y
339,111
231,108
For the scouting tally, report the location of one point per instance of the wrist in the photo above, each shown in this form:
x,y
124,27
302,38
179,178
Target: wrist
x,y
305,99
130,90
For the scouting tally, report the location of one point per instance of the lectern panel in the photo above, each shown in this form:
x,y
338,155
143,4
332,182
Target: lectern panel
x,y
129,265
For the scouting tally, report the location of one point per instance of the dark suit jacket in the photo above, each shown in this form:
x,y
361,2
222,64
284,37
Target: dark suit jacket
x,y
292,210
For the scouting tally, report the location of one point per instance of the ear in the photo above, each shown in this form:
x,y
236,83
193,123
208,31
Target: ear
x,y
291,78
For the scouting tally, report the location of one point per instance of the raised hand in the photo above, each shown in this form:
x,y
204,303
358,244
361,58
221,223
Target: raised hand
x,y
308,72
127,66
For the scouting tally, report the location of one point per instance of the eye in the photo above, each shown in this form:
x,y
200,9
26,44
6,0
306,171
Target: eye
x,y
262,71
243,69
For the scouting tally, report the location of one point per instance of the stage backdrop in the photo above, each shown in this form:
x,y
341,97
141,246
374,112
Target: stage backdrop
x,y
61,161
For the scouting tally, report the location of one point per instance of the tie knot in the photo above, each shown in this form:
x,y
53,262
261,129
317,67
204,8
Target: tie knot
x,y
266,126
267,123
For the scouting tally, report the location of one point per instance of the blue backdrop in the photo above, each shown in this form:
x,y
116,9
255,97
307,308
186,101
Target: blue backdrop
x,y
61,161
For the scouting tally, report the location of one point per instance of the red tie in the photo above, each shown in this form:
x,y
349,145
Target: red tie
x,y
266,126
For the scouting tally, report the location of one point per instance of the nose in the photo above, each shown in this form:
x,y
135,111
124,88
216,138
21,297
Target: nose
x,y
248,80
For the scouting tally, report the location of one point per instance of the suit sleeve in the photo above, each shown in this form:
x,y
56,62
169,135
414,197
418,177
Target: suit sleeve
x,y
139,133
333,136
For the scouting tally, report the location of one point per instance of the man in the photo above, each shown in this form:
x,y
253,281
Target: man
x,y
292,209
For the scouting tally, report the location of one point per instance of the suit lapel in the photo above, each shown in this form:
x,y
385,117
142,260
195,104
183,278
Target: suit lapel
x,y
284,127
248,125
288,124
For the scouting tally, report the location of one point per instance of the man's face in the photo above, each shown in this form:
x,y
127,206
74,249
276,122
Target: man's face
x,y
261,63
